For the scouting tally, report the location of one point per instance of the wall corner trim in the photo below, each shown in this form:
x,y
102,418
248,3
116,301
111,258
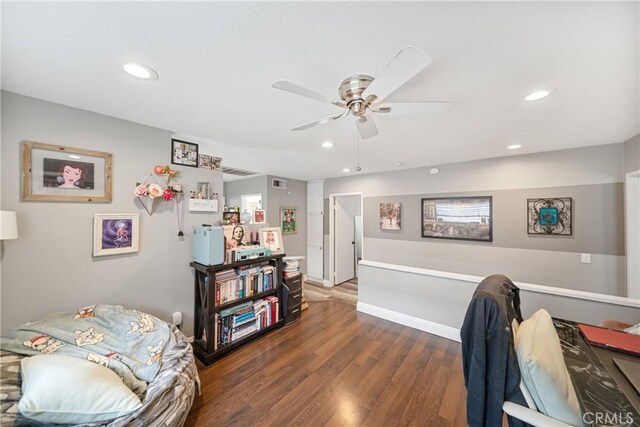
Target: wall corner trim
x,y
530,287
444,331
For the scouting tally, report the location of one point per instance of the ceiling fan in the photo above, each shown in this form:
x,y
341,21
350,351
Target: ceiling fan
x,y
362,95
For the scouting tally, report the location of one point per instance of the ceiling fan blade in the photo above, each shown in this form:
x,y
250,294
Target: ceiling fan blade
x,y
413,108
406,64
287,86
366,127
320,122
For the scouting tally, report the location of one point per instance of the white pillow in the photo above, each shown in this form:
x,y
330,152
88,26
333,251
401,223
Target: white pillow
x,y
69,390
543,370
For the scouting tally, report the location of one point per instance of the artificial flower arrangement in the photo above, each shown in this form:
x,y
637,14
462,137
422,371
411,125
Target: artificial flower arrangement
x,y
154,190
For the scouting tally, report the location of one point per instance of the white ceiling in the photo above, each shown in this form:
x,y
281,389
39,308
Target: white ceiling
x,y
217,61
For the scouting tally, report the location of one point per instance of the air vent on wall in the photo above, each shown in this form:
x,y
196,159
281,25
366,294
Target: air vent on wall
x,y
279,183
239,172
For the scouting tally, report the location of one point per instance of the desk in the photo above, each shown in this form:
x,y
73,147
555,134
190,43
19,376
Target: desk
x,y
599,384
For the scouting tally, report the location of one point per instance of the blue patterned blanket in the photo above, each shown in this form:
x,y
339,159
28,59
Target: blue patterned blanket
x,y
129,342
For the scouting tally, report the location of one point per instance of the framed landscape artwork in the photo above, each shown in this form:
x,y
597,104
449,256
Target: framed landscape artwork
x,y
184,153
288,219
390,216
54,173
550,216
115,234
458,218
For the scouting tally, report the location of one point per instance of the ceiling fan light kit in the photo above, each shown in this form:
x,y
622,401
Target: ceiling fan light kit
x,y
362,95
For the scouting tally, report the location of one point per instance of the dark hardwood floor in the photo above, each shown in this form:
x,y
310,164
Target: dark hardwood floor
x,y
335,367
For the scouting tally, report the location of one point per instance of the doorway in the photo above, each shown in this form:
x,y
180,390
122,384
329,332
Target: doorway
x,y
345,225
632,219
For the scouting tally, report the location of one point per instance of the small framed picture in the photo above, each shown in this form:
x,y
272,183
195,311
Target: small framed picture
x,y
288,219
231,217
54,173
271,238
390,216
115,234
202,190
216,163
236,235
204,161
550,216
184,153
258,216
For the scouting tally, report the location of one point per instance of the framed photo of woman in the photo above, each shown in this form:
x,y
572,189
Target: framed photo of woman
x,y
271,238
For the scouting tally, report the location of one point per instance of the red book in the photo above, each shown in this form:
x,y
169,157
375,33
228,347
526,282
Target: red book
x,y
612,340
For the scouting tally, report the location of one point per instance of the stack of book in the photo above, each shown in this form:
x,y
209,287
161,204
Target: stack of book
x,y
237,322
291,266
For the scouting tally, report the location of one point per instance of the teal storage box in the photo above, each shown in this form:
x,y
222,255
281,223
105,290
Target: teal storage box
x,y
208,245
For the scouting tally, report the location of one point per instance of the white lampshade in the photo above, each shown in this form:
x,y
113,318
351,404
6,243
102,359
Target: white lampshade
x,y
8,225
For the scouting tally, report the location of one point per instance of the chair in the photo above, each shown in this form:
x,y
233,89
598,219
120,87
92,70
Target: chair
x,y
488,341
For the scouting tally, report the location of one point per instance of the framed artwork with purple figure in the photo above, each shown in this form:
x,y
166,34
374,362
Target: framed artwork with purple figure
x,y
115,234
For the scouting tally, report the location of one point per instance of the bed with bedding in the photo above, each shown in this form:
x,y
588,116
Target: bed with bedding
x,y
153,359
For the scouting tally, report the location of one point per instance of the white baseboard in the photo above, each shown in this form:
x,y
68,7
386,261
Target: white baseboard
x,y
327,283
413,322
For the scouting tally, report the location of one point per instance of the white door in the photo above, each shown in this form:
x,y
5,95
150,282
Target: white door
x,y
345,238
315,233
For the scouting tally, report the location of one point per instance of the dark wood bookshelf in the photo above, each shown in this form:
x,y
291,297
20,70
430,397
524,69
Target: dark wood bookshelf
x,y
205,309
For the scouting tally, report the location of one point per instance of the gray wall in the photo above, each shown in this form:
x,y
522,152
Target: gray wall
x,y
295,195
632,154
50,267
591,176
591,203
444,300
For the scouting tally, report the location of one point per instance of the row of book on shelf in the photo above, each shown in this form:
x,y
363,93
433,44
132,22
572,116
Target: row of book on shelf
x,y
234,284
235,323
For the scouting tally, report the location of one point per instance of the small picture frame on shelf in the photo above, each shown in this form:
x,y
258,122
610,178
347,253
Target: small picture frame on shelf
x,y
258,216
271,238
116,234
231,217
184,153
202,190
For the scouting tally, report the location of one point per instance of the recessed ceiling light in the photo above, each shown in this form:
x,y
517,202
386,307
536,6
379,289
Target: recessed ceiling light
x,y
346,170
398,164
327,144
539,94
434,171
514,146
140,71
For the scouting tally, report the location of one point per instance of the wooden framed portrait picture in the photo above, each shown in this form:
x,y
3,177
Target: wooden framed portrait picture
x,y
184,153
271,238
55,173
289,219
115,234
